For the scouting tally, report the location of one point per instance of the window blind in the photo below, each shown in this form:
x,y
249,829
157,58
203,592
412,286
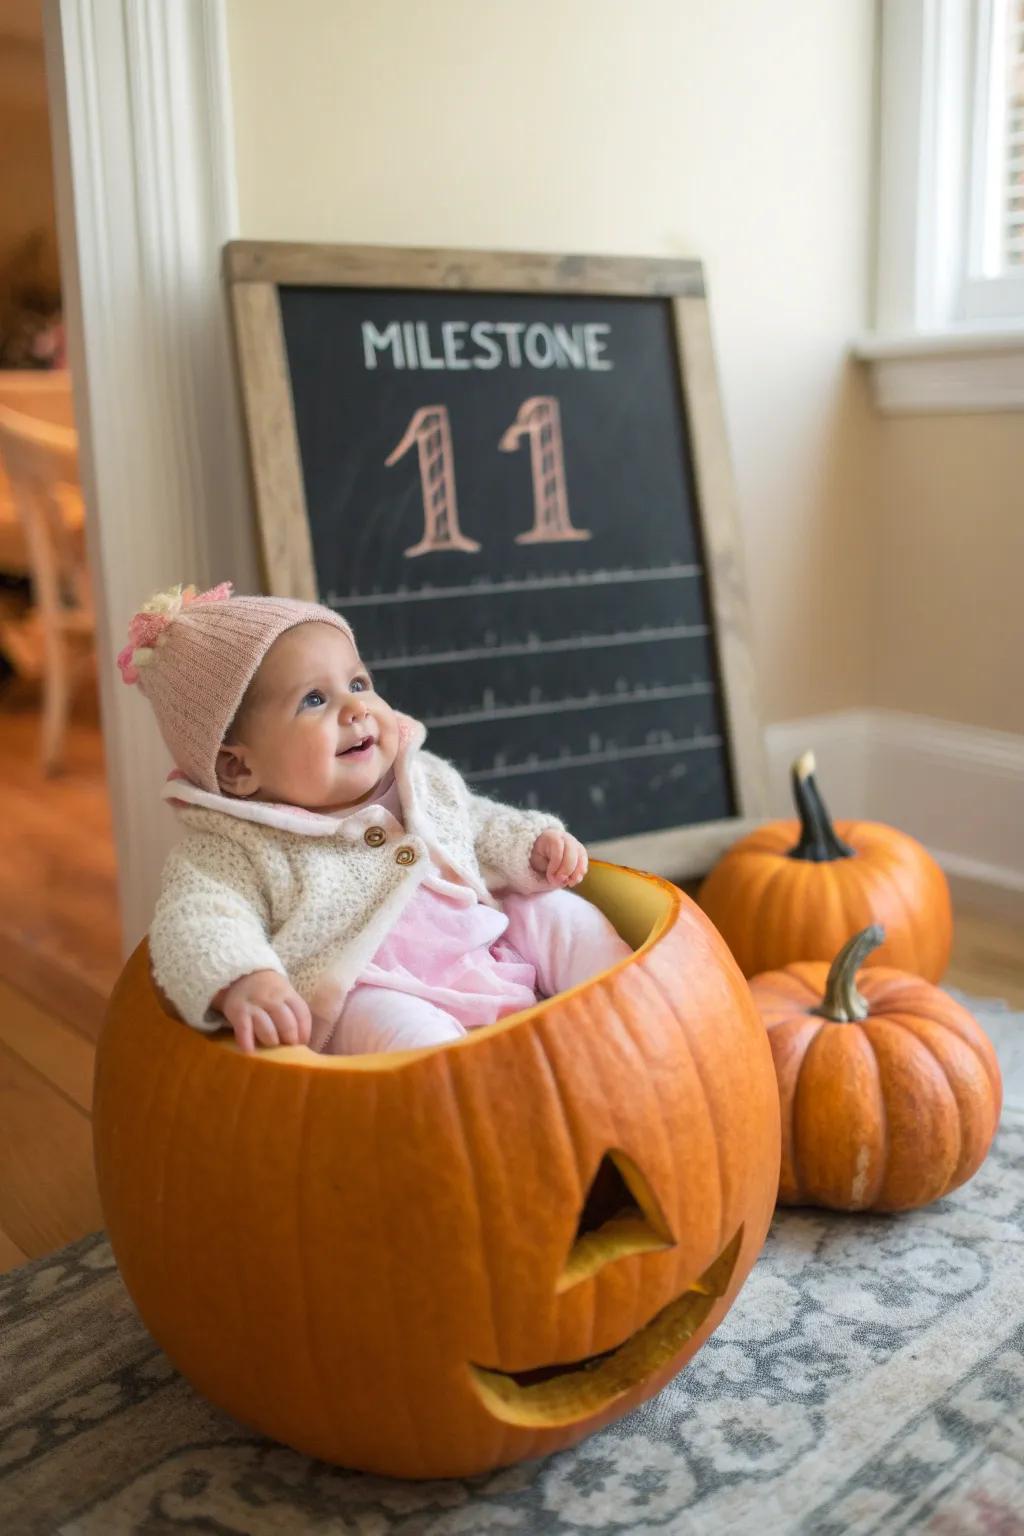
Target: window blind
x,y
1013,187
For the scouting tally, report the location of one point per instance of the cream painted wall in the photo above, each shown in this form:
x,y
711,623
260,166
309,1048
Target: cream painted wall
x,y
732,130
949,562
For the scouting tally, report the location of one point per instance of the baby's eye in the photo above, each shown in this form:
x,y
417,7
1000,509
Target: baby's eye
x,y
314,698
359,684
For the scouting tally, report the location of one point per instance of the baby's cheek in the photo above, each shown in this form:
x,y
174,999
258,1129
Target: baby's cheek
x,y
389,741
313,758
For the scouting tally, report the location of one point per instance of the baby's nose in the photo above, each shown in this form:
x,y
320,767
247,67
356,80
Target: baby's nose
x,y
353,709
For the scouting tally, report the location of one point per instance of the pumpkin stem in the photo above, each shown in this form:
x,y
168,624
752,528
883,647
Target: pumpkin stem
x,y
818,840
843,1004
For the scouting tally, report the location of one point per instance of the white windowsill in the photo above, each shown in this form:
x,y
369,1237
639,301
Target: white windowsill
x,y
966,368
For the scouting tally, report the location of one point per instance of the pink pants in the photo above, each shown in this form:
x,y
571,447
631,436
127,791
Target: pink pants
x,y
565,938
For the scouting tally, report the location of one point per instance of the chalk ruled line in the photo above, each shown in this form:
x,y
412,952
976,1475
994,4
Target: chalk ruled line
x,y
526,584
535,647
559,706
547,765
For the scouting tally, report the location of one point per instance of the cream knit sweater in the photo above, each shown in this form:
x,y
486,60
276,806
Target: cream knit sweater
x,y
254,886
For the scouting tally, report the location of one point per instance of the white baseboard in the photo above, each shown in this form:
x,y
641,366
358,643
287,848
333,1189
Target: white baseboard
x,y
957,788
840,745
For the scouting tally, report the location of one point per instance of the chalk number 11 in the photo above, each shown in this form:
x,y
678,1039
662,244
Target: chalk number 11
x,y
537,419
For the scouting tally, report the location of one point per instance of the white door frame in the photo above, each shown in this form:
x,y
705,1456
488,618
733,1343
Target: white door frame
x,y
144,169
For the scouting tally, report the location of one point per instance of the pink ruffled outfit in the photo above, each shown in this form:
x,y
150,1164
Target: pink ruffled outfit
x,y
447,947
449,965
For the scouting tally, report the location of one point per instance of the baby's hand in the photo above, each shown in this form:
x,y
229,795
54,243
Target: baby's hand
x,y
560,857
266,1006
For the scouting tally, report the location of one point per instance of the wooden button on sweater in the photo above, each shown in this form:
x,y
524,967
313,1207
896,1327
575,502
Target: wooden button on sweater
x,y
405,855
375,836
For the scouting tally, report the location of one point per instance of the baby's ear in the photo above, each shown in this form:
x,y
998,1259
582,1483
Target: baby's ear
x,y
234,773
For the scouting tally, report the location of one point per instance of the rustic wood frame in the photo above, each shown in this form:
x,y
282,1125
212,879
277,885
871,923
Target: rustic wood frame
x,y
254,271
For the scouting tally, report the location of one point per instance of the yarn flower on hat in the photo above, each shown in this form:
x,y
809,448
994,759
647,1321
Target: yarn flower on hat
x,y
154,618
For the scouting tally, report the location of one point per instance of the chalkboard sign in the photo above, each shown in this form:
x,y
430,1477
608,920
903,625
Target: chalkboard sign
x,y
509,474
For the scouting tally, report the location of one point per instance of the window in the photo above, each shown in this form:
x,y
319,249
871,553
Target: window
x,y
1013,141
949,320
994,277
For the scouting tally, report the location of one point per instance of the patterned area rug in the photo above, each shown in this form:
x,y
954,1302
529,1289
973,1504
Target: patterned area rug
x,y
869,1379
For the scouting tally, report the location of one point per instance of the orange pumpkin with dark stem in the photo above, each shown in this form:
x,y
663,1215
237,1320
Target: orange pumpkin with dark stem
x,y
797,890
890,1095
433,1263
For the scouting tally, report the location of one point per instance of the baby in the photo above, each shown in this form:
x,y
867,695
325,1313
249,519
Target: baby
x,y
337,885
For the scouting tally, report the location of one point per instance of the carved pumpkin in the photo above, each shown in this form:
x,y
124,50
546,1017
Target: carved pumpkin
x,y
797,890
436,1262
439,1261
890,1096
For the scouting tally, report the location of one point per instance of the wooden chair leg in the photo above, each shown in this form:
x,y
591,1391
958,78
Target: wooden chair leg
x,y
39,459
56,697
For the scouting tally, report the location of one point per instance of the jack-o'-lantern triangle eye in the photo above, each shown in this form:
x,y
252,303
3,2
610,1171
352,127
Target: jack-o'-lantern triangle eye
x,y
620,1215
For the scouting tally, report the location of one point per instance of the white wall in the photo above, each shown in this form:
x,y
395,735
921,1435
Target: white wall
x,y
732,130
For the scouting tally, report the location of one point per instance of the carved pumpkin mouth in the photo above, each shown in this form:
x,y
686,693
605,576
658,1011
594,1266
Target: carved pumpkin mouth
x,y
550,1395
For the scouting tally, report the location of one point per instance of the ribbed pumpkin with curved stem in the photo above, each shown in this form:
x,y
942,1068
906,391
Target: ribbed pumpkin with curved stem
x,y
890,1095
797,890
432,1263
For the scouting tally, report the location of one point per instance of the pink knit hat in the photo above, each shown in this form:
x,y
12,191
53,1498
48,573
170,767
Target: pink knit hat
x,y
193,655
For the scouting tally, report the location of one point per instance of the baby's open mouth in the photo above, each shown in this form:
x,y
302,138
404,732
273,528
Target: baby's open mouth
x,y
362,746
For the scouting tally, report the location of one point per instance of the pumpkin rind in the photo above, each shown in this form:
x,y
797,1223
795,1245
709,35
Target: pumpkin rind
x,y
773,910
796,890
883,1114
326,1246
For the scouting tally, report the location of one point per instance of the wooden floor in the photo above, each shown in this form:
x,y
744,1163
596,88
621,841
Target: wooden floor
x,y
59,956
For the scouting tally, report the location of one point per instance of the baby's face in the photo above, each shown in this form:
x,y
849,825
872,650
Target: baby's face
x,y
312,731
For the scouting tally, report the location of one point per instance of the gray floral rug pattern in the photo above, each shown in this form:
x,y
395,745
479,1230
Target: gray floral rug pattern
x,y
869,1379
